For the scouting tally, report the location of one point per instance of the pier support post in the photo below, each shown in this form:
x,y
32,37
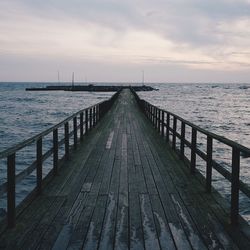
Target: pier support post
x,y
235,186
11,192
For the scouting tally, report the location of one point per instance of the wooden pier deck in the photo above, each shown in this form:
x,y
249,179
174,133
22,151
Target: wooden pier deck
x,y
123,188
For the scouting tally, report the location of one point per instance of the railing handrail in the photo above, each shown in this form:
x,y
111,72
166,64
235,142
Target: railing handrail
x,y
220,138
5,153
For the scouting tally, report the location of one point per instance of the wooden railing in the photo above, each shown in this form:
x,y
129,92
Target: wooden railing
x,y
166,124
82,122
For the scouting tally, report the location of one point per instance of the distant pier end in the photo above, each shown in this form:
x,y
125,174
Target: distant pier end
x,y
92,88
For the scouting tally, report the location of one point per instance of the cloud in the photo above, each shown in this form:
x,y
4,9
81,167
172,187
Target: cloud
x,y
193,34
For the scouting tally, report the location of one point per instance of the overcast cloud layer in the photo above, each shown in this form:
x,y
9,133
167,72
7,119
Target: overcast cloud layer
x,y
105,40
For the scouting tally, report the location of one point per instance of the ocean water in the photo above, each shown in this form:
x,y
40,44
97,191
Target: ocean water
x,y
25,113
220,108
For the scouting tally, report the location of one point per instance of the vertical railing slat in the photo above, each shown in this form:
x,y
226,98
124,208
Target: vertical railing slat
x,y
81,126
90,118
182,147
209,163
75,131
86,121
97,113
174,133
66,140
93,117
39,165
235,186
162,123
55,151
11,190
193,151
159,121
167,127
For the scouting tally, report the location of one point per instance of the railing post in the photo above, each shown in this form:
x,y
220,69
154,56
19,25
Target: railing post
x,y
11,190
66,140
209,163
159,121
155,117
94,117
75,131
182,148
235,186
90,118
150,112
167,127
193,151
86,121
39,165
97,113
55,151
81,126
162,123
174,133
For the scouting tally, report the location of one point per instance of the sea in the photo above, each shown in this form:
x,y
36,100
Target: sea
x,y
223,109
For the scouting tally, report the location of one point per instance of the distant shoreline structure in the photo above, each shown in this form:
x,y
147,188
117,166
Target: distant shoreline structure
x,y
92,88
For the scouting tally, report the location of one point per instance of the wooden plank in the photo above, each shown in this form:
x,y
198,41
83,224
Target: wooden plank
x,y
165,236
148,224
121,234
135,222
93,235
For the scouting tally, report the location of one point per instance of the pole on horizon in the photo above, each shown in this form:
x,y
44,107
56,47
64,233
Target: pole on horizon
x,y
73,78
142,77
58,76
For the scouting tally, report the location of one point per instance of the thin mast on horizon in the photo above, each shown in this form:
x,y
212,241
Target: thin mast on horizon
x,y
58,76
73,79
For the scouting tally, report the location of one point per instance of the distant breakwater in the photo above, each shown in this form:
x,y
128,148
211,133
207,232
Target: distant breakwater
x,y
92,88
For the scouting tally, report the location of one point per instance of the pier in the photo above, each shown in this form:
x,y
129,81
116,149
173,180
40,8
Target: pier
x,y
125,181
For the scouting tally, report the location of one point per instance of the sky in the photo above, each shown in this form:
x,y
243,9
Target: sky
x,y
114,40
